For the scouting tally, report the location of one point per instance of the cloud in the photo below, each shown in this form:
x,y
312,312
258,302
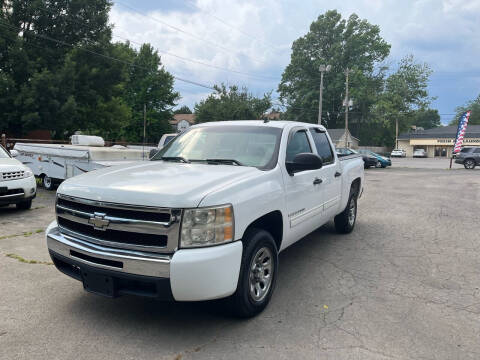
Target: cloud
x,y
257,38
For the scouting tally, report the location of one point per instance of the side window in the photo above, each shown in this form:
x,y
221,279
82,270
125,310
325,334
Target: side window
x,y
477,151
298,144
323,146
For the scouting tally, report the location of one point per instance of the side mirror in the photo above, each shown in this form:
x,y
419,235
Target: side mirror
x,y
14,153
304,162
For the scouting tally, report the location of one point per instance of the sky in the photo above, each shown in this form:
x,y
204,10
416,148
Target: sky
x,y
248,42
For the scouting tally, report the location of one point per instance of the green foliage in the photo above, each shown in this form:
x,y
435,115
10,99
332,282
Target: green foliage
x,y
427,118
183,110
81,81
405,98
474,107
353,44
231,103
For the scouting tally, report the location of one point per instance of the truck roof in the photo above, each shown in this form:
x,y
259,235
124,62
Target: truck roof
x,y
271,123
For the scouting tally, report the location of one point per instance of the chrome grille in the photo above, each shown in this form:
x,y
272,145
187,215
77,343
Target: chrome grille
x,y
12,175
119,226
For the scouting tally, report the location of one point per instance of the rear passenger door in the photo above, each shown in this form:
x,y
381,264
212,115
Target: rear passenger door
x,y
330,174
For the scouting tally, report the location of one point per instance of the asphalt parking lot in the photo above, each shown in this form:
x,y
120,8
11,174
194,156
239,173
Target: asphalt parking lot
x,y
404,285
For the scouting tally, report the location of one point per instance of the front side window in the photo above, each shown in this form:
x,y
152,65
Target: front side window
x,y
477,151
298,144
242,145
323,146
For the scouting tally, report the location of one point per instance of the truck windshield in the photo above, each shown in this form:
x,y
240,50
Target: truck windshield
x,y
226,144
3,153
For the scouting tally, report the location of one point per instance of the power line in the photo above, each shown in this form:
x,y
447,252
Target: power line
x,y
211,43
81,23
45,37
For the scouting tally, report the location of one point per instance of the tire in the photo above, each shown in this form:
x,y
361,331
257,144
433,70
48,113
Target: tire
x,y
345,221
47,183
250,298
25,205
378,164
469,164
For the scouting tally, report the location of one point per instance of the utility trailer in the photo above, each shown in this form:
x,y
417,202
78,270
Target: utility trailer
x,y
53,163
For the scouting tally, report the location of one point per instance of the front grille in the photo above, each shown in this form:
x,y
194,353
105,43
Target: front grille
x,y
117,225
121,237
12,175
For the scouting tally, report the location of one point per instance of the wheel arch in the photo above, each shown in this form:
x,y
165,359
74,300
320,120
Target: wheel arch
x,y
356,186
271,222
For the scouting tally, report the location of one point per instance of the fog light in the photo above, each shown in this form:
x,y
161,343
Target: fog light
x,y
32,191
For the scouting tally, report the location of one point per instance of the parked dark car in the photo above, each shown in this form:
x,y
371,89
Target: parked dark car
x,y
469,157
368,160
382,161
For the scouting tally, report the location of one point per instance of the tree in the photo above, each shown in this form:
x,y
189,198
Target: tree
x,y
231,103
183,110
427,118
149,85
474,107
405,96
354,44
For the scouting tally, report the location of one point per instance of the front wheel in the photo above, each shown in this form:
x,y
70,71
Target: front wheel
x,y
258,274
345,221
469,164
378,164
25,205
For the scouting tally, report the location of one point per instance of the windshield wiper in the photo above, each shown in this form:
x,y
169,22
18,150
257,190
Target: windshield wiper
x,y
175,158
224,161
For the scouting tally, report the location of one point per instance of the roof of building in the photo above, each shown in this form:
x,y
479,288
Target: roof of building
x,y
442,132
336,134
179,117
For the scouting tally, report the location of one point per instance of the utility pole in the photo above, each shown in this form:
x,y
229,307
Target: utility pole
x,y
396,133
347,104
144,128
322,69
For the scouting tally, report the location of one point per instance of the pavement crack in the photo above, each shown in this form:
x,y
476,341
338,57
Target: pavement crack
x,y
27,261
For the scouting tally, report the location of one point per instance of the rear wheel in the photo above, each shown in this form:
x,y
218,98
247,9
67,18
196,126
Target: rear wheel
x,y
25,205
469,164
47,182
258,274
345,221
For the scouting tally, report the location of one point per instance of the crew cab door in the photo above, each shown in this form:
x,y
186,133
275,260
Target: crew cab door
x,y
303,195
331,174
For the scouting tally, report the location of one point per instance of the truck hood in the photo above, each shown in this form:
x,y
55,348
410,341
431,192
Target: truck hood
x,y
10,164
155,183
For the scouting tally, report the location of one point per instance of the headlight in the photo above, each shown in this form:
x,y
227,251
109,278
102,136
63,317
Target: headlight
x,y
207,226
27,174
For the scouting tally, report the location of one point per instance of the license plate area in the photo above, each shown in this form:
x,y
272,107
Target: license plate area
x,y
98,284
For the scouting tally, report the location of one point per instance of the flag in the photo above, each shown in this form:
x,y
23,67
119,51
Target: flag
x,y
462,127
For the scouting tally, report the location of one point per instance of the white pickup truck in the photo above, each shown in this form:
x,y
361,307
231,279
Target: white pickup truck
x,y
207,216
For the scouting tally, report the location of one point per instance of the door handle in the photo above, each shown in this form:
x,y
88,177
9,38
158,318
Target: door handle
x,y
337,174
317,181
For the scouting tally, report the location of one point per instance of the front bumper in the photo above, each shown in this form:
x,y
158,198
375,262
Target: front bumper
x,y
186,275
18,190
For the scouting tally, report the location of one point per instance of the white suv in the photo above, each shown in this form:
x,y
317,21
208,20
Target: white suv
x,y
17,183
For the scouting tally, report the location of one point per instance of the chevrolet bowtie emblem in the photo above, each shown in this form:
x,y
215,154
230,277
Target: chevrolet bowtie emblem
x,y
98,221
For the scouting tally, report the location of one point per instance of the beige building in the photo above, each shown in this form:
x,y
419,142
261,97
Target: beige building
x,y
182,122
437,142
338,138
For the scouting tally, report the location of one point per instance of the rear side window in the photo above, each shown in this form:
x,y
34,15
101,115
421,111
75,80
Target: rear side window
x,y
477,151
465,150
322,145
298,144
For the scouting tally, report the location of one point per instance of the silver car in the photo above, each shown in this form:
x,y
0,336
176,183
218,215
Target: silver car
x,y
420,153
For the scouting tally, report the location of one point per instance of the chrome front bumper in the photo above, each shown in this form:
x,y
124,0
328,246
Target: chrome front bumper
x,y
126,261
